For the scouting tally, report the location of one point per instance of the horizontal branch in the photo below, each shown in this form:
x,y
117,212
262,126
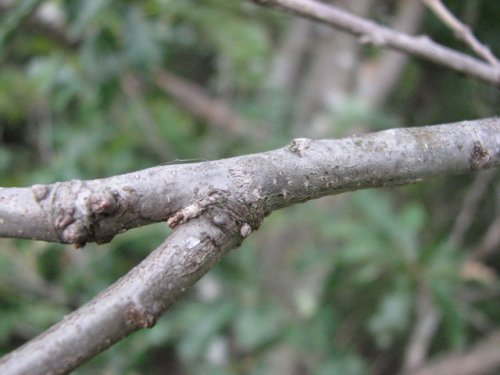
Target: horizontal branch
x,y
83,211
371,32
213,206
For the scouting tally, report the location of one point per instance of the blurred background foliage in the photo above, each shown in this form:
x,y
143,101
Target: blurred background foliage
x,y
95,88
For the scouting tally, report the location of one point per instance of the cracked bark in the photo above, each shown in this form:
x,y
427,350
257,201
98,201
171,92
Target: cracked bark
x,y
212,206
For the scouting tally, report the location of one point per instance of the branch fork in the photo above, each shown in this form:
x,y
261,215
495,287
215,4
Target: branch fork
x,y
213,206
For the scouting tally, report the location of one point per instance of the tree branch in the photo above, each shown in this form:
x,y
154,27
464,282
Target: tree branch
x,y
202,105
371,32
470,205
461,31
490,241
378,78
428,317
96,210
131,88
483,358
213,206
133,302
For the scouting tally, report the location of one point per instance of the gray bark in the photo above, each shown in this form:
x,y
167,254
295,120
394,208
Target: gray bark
x,y
83,211
213,206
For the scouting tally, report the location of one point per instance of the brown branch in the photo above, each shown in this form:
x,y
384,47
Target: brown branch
x,y
427,320
378,78
469,207
205,107
481,359
490,242
378,35
130,86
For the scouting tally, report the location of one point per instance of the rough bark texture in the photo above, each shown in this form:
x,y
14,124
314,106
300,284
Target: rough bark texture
x,y
133,302
213,206
83,211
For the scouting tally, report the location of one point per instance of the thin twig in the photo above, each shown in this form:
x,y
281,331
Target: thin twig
x,y
130,86
469,207
371,32
204,106
383,74
462,31
490,241
427,321
483,358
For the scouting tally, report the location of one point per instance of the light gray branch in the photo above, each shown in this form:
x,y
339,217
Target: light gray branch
x,y
213,206
82,211
371,32
461,31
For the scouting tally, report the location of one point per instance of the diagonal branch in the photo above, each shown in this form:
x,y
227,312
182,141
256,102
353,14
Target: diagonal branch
x,y
131,88
133,302
380,76
461,31
467,214
483,358
215,112
371,32
427,322
17,14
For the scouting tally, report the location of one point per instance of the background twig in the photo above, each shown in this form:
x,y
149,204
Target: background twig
x,y
378,35
462,31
